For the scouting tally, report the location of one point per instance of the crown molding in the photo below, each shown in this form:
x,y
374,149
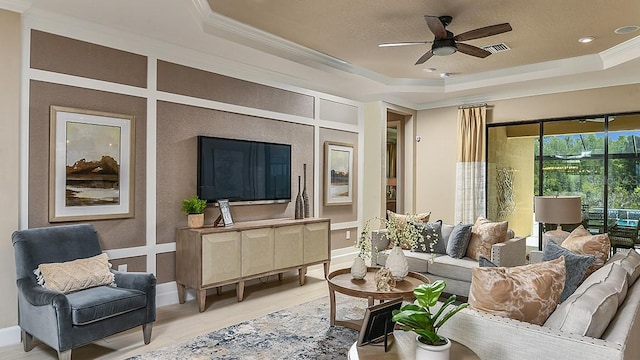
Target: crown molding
x,y
18,6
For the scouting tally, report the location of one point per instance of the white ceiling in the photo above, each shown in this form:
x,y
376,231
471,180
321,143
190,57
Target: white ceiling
x,y
331,45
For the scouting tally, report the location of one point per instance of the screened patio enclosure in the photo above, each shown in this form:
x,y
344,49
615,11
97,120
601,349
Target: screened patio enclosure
x,y
596,158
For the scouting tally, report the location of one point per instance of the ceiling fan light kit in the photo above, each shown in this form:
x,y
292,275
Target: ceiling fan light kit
x,y
445,43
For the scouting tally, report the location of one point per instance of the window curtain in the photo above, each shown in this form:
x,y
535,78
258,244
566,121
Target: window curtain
x,y
471,165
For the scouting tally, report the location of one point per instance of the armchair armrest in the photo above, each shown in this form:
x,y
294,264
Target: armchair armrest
x,y
509,253
379,242
37,295
535,256
134,280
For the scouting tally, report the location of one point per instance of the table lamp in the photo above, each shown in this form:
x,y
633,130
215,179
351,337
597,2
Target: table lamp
x,y
557,210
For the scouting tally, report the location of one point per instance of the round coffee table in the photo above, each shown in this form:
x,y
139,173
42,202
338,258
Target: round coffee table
x,y
342,282
403,347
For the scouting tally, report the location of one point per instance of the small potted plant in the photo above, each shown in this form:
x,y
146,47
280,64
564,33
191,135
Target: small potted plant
x,y
363,243
425,321
194,208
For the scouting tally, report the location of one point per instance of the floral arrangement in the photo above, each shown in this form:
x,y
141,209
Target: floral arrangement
x,y
398,234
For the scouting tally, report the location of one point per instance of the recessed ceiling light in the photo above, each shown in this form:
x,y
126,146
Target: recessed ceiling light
x,y
444,75
626,29
586,39
429,69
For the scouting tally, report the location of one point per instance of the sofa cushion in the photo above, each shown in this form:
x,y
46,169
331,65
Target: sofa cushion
x,y
593,305
527,293
431,238
484,234
103,302
401,220
629,259
582,242
575,264
448,267
446,230
75,275
458,240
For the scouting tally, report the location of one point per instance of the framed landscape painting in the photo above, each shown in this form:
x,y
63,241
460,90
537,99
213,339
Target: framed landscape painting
x,y
90,165
338,181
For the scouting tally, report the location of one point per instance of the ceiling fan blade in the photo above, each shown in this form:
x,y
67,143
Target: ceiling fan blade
x,y
473,50
425,57
483,32
404,43
436,26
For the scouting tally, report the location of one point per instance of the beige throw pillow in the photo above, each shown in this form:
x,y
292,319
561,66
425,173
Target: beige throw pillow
x,y
582,242
76,275
630,261
527,293
484,234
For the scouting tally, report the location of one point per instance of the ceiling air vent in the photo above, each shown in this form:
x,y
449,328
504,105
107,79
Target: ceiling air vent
x,y
495,48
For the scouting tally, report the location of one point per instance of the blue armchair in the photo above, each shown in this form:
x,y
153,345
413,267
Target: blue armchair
x,y
66,321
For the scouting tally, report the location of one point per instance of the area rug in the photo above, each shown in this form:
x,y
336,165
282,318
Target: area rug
x,y
300,332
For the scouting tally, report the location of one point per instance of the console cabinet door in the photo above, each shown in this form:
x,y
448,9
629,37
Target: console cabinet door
x,y
288,246
221,257
257,251
316,242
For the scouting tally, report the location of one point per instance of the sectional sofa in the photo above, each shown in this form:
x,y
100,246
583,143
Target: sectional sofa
x,y
603,300
455,272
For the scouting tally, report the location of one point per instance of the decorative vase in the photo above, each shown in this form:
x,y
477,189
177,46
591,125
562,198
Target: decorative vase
x,y
359,268
432,352
195,220
305,196
397,263
299,205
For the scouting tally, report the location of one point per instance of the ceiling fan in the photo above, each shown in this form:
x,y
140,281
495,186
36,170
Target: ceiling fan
x,y
445,43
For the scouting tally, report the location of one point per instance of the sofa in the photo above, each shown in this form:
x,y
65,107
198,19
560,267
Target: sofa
x,y
455,272
497,337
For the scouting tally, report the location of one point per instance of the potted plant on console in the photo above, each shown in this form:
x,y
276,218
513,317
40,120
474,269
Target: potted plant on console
x,y
425,320
194,208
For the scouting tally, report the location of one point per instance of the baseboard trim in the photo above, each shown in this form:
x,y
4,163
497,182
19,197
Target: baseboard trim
x,y
166,294
10,336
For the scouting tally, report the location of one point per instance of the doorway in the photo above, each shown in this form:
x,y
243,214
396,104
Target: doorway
x,y
393,169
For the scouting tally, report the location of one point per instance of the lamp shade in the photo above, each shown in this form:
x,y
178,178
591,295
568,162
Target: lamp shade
x,y
558,209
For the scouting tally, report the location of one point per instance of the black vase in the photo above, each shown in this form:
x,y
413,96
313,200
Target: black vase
x,y
305,196
299,203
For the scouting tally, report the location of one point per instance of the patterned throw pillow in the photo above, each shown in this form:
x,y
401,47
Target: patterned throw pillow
x,y
459,240
75,275
484,234
431,233
575,264
527,293
581,241
401,220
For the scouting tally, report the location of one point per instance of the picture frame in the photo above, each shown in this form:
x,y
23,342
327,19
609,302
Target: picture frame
x,y
377,323
338,178
91,165
225,212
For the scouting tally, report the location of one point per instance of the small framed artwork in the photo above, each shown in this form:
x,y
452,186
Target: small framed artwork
x,y
225,212
338,179
377,323
91,165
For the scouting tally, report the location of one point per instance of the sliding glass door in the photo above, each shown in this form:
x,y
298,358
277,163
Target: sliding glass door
x,y
596,158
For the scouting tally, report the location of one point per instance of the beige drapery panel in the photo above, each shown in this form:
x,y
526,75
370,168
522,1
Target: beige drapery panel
x,y
471,165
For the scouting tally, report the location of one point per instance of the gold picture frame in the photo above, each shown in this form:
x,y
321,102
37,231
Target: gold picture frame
x,y
91,165
338,173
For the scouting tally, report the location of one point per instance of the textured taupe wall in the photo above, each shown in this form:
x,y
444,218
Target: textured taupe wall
x,y
118,233
339,238
339,213
74,57
135,263
166,267
9,145
178,128
189,81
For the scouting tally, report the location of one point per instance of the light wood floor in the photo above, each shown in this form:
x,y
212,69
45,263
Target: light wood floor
x,y
181,322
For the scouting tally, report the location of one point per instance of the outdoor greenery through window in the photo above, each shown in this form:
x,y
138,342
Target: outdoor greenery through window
x,y
595,158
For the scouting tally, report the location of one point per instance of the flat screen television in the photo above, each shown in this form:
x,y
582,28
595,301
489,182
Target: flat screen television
x,y
243,171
